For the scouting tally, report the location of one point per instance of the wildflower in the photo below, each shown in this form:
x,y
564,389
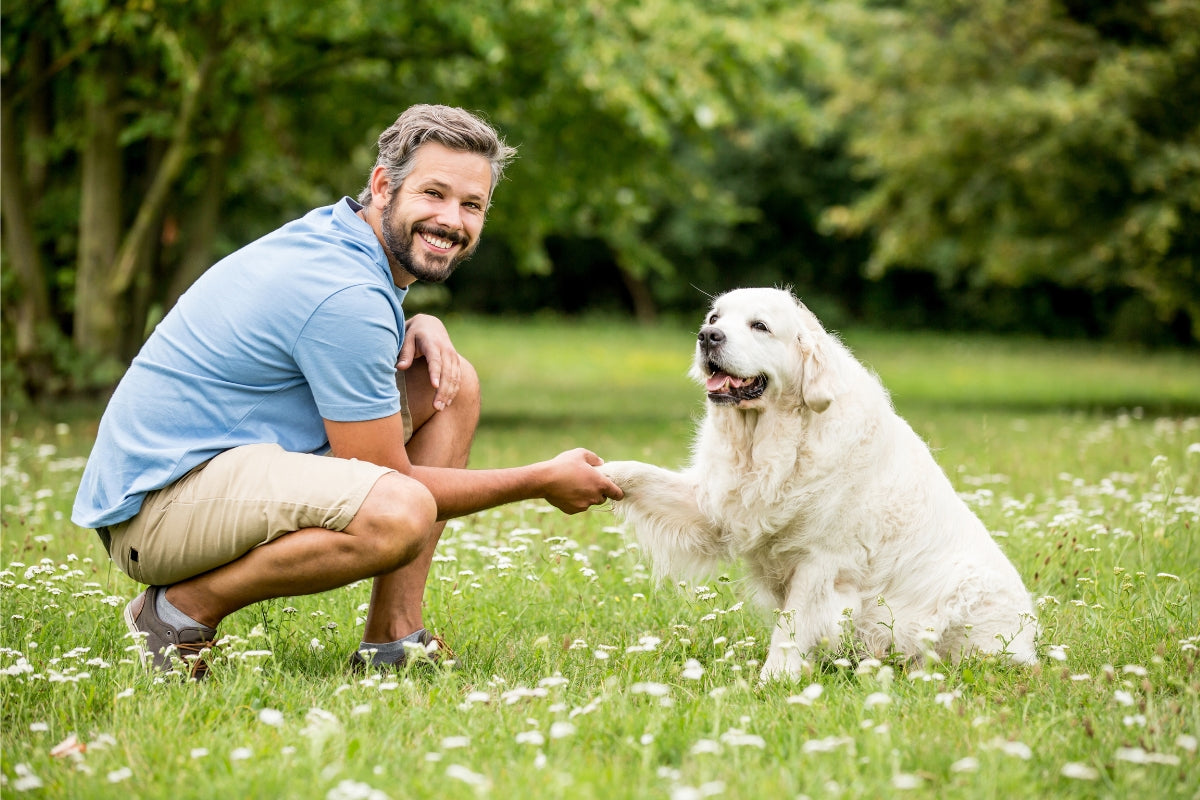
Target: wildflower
x,y
1017,750
461,773
531,737
736,738
1123,697
561,730
646,644
693,670
826,745
706,746
241,754
1079,772
967,764
650,688
519,693
1186,742
903,780
198,752
455,742
270,716
808,696
946,699
26,781
118,775
1136,755
353,790
877,699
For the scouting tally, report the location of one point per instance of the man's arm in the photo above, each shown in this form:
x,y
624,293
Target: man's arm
x,y
570,481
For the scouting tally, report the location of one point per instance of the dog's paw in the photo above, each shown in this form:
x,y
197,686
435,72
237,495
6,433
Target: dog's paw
x,y
629,475
785,663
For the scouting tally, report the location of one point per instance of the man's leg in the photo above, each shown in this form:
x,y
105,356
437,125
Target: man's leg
x,y
440,439
390,528
257,523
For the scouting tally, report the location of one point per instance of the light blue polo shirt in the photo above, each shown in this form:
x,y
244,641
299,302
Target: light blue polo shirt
x,y
303,325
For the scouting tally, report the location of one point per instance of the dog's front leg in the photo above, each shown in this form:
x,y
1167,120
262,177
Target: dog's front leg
x,y
662,508
815,615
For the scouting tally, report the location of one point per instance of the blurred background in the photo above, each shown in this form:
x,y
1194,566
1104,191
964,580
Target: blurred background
x,y
1022,167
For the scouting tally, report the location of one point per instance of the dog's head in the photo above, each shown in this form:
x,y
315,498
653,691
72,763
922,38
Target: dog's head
x,y
759,346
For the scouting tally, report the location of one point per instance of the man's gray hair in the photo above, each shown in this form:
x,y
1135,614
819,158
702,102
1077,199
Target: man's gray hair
x,y
452,127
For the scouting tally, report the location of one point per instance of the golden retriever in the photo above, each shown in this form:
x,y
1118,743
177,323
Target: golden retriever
x,y
803,471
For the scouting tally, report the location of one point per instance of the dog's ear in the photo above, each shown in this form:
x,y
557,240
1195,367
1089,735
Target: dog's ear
x,y
819,380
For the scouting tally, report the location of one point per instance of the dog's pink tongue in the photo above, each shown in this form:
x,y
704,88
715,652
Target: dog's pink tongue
x,y
717,382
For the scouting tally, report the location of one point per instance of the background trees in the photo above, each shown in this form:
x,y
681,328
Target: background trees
x,y
996,164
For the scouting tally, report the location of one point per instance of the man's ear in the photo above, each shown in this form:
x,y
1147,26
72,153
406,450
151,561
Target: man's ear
x,y
381,187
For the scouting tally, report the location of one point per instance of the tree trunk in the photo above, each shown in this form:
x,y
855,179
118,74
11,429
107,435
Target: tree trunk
x,y
201,229
97,307
32,305
148,222
645,310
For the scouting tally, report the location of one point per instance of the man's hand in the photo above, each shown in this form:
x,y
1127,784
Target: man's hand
x,y
426,336
574,484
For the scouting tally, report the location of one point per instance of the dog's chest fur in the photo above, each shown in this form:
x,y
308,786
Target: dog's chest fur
x,y
754,468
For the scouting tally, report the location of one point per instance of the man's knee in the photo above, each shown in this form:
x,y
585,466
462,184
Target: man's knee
x,y
396,518
469,392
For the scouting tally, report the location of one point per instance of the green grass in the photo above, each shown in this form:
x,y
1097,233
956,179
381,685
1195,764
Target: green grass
x,y
582,678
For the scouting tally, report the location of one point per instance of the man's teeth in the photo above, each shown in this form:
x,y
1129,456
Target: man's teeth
x,y
444,244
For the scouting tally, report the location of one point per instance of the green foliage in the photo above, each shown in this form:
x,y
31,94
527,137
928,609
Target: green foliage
x,y
1001,147
1012,143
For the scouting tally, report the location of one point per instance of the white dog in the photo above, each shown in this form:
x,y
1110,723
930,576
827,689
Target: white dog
x,y
804,472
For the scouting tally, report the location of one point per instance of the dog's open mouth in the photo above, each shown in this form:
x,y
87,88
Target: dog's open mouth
x,y
725,388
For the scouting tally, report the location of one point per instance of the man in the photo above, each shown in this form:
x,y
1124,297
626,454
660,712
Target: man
x,y
286,431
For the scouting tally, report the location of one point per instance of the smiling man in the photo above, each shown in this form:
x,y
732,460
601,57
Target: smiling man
x,y
285,430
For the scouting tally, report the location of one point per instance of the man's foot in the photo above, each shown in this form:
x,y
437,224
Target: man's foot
x,y
157,641
422,646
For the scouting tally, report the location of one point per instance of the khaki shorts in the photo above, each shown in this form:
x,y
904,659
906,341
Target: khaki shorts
x,y
242,498
236,501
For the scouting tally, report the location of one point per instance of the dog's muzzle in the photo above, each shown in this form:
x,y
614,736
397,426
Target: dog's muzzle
x,y
724,387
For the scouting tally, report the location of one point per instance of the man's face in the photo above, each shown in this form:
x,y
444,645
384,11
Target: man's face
x,y
432,222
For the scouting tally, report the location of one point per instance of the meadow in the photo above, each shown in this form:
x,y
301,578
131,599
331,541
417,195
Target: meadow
x,y
582,676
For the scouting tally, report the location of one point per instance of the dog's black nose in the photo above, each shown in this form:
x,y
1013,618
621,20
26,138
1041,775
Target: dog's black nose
x,y
710,337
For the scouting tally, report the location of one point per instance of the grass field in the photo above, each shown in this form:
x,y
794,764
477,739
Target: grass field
x,y
580,677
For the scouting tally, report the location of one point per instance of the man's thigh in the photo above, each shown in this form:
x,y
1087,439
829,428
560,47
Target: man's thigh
x,y
243,498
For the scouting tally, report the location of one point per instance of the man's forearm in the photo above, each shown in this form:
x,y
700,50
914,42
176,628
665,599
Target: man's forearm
x,y
460,492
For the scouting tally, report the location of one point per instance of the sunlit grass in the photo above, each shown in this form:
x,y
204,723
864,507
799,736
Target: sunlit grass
x,y
582,678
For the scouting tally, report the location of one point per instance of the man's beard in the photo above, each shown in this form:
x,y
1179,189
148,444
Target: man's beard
x,y
400,245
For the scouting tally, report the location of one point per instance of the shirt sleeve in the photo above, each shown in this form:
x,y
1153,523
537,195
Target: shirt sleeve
x,y
347,352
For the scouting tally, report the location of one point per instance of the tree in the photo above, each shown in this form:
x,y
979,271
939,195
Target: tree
x,y
1008,143
145,139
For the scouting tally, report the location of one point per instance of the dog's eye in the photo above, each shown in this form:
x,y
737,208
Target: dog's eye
x,y
760,326
712,319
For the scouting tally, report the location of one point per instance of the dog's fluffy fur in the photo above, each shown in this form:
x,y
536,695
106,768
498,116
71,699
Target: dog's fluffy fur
x,y
803,471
